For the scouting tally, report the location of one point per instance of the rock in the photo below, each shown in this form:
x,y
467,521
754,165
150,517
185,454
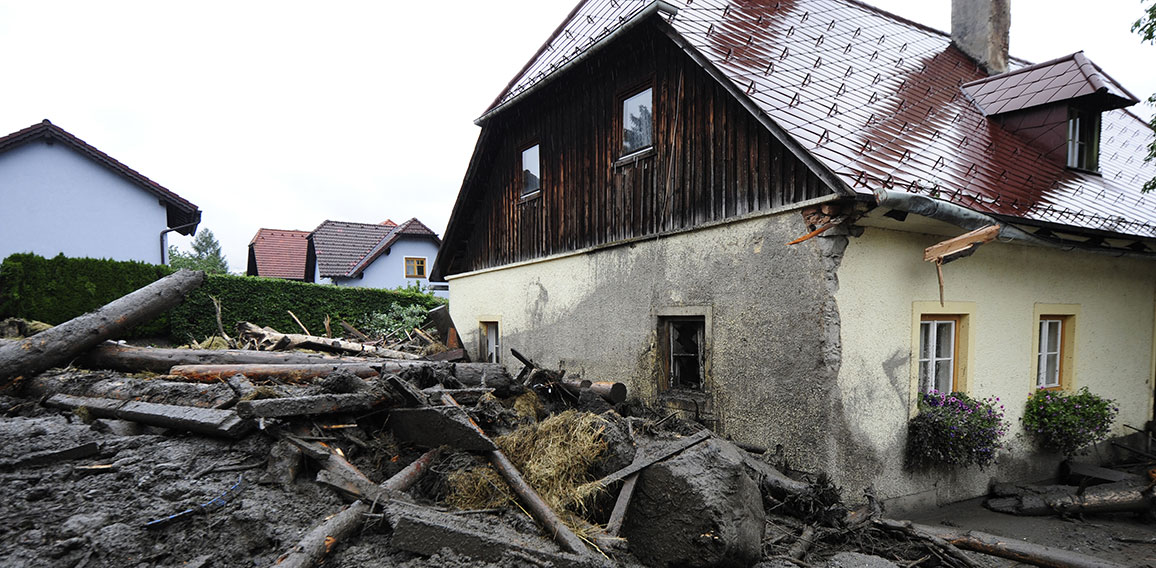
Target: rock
x,y
857,560
698,508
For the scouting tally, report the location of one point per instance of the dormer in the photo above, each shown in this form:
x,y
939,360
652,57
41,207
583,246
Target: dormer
x,y
1055,105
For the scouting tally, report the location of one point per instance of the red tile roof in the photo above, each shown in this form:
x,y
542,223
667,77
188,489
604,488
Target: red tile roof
x,y
1058,80
279,253
878,100
181,212
345,249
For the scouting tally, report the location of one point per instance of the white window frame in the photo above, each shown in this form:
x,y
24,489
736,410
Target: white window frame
x,y
625,118
927,378
1083,150
1048,351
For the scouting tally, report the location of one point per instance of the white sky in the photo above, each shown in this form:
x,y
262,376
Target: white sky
x,y
285,114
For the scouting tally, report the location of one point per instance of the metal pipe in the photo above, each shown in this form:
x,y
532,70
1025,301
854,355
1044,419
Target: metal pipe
x,y
162,236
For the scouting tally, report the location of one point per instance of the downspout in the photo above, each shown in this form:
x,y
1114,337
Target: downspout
x,y
969,219
162,237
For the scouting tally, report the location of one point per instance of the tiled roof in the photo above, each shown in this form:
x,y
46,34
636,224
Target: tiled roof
x,y
345,249
1057,80
280,253
181,212
878,100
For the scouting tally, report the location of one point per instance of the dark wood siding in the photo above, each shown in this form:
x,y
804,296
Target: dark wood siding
x,y
712,160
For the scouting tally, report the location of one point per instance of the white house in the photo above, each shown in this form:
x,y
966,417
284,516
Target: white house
x,y
386,255
61,195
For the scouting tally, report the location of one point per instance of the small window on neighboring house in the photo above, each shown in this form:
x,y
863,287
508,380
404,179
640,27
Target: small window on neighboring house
x,y
531,171
1054,351
414,267
489,342
683,349
638,122
1083,139
938,353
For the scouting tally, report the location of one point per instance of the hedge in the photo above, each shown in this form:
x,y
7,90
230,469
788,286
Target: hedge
x,y
59,289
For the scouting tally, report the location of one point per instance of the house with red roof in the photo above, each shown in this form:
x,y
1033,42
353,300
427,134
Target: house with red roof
x,y
789,220
384,255
278,253
61,195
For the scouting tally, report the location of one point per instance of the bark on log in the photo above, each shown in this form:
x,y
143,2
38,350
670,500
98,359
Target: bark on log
x,y
311,404
55,346
293,374
1120,497
272,339
125,388
1003,547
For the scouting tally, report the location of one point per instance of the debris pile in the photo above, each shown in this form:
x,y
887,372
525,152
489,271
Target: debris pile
x,y
285,458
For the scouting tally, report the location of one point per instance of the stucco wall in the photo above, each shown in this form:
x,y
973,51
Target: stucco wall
x,y
56,200
594,313
388,271
881,279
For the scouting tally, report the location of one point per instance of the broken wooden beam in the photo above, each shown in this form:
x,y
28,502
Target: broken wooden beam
x,y
311,404
271,339
611,392
961,246
55,346
286,373
641,461
209,421
433,426
52,456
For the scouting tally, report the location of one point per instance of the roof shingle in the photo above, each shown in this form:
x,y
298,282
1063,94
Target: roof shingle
x,y
280,253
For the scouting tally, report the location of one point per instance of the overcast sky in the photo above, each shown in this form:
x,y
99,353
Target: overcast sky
x,y
285,114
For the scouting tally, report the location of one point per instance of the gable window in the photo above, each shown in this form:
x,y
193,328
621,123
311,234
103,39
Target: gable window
x,y
414,267
683,341
638,122
1083,139
531,171
938,352
1054,345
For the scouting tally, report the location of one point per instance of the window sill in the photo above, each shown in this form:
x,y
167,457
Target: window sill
x,y
530,196
634,157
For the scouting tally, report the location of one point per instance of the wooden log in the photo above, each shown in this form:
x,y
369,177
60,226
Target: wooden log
x,y
131,359
1010,548
311,404
1119,497
52,456
52,347
293,374
126,388
272,339
618,514
208,421
537,507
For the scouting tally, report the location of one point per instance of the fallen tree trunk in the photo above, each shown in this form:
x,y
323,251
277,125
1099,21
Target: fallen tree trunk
x,y
293,374
207,421
125,388
267,338
312,404
1003,547
55,346
1119,497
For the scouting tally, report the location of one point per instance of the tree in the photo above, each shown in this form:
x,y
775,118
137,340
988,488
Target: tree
x,y
206,255
1146,27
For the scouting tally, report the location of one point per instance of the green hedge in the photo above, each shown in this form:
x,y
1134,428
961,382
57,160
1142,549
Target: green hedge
x,y
55,290
59,289
267,302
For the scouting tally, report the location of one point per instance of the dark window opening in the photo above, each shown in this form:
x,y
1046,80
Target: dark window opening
x,y
1083,140
684,339
638,122
531,170
489,342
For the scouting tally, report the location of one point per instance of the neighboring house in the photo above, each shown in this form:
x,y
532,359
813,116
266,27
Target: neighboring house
x,y
627,210
61,195
278,253
386,255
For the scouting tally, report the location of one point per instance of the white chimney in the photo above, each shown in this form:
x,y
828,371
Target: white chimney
x,y
979,28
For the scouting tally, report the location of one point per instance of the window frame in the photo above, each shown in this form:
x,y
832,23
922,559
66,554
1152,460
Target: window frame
x,y
663,317
1067,315
484,325
524,195
934,321
424,265
1076,142
621,118
964,349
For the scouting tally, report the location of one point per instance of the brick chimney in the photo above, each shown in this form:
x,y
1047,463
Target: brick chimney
x,y
979,28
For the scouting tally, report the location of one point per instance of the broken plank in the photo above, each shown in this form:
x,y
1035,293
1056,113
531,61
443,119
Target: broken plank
x,y
960,246
618,515
644,461
310,405
209,421
53,456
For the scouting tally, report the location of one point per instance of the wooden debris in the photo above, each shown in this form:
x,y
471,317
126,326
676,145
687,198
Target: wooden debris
x,y
127,388
618,515
209,421
641,461
961,246
52,347
1119,497
53,456
803,543
311,404
433,426
291,373
271,339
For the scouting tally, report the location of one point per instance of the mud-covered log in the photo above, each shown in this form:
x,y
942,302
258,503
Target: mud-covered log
x,y
58,345
268,338
207,421
292,374
1120,497
103,385
311,404
131,359
1004,547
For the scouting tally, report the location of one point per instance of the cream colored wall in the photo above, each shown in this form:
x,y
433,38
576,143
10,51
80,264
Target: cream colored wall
x,y
882,281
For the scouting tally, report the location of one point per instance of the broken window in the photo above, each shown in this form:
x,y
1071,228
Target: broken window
x,y
531,170
489,342
683,346
1083,139
1053,351
414,267
938,342
637,122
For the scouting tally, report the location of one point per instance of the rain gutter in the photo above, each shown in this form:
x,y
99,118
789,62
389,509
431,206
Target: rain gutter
x,y
162,237
970,219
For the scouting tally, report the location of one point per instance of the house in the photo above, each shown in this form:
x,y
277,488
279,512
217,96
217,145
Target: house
x,y
63,196
627,211
278,253
386,255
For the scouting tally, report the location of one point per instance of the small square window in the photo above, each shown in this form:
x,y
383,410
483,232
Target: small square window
x,y
1083,140
638,122
683,341
414,267
531,170
938,353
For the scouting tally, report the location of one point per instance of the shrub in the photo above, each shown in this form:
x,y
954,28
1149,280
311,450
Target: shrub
x,y
1069,422
398,317
954,429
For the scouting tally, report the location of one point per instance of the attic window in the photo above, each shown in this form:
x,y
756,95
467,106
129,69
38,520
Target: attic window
x,y
531,170
1083,139
638,121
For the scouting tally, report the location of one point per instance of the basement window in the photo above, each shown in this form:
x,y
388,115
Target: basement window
x,y
638,121
683,349
1083,140
531,171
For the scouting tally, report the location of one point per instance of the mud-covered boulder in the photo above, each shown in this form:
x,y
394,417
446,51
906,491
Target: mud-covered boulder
x,y
698,508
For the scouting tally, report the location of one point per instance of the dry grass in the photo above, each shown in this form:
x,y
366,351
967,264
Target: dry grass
x,y
529,406
555,457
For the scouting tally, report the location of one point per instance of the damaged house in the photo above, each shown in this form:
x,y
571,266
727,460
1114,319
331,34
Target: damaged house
x,y
627,212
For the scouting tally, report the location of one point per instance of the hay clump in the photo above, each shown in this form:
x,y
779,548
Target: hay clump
x,y
529,406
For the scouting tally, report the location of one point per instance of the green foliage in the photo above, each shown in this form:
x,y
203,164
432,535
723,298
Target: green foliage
x,y
267,301
1146,27
58,289
396,318
954,429
206,255
1069,422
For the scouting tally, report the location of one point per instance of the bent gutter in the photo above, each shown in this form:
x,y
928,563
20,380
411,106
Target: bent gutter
x,y
970,219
